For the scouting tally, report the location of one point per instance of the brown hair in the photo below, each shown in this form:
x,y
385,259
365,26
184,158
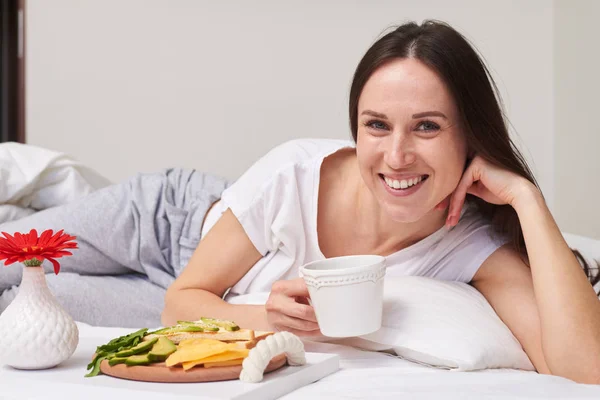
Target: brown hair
x,y
478,102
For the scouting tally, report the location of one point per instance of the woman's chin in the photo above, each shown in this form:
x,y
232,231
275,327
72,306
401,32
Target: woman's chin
x,y
406,216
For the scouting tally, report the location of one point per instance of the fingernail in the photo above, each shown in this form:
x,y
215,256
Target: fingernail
x,y
449,222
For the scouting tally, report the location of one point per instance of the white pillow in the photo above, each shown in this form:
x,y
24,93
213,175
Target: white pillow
x,y
442,324
438,323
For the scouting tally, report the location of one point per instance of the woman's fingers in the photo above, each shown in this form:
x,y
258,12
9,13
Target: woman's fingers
x,y
458,199
286,305
285,313
291,288
285,322
302,311
302,333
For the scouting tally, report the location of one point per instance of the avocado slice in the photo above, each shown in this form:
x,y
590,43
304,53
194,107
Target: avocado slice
x,y
139,359
161,350
177,329
116,360
227,325
140,348
205,326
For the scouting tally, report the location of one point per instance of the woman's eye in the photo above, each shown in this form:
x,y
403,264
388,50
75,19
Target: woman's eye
x,y
428,126
376,125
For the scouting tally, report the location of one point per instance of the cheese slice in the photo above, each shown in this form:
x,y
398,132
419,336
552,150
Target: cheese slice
x,y
232,354
199,342
200,350
229,363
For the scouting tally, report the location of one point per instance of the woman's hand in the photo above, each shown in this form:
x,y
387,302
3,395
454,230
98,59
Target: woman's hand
x,y
288,309
490,183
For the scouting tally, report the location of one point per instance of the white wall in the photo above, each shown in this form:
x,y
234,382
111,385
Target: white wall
x,y
138,85
577,85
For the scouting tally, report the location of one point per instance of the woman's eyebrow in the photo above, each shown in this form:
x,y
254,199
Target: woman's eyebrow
x,y
429,114
374,114
415,116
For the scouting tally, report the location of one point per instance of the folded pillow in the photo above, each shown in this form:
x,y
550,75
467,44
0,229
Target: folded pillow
x,y
442,324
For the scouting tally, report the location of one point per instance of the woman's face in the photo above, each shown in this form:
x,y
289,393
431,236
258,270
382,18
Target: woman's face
x,y
410,147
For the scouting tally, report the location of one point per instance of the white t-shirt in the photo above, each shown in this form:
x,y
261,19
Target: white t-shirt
x,y
276,203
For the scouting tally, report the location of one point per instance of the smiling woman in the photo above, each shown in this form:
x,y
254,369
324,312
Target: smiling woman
x,y
431,181
416,136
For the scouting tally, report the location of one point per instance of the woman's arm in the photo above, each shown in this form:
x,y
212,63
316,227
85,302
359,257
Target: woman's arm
x,y
569,308
507,284
550,306
221,259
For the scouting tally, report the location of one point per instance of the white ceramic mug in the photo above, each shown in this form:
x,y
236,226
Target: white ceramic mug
x,y
346,293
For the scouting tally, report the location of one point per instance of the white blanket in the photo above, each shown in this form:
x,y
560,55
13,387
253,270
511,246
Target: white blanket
x,y
369,375
363,375
33,178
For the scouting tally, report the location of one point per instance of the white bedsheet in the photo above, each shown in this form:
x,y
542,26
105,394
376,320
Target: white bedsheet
x,y
363,375
368,375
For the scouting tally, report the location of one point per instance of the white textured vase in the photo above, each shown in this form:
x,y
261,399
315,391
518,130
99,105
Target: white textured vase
x,y
35,331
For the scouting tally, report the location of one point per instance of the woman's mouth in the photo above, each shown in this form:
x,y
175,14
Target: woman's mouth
x,y
403,187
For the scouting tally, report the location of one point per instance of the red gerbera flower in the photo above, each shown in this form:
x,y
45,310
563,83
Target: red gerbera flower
x,y
30,249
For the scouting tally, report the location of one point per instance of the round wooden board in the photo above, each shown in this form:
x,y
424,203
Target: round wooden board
x,y
159,372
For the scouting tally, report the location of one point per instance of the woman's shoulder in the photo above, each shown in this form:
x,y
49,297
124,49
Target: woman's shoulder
x,y
284,159
297,151
280,166
473,226
467,245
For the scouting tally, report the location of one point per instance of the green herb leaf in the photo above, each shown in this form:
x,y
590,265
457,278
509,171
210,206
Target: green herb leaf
x,y
96,370
113,346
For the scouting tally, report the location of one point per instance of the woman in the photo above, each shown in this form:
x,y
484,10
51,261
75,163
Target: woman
x,y
430,138
432,182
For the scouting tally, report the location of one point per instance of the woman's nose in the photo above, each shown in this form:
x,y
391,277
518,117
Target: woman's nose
x,y
400,152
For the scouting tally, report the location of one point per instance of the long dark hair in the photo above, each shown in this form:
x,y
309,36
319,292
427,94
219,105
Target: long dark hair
x,y
478,101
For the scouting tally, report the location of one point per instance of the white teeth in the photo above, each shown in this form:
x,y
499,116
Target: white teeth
x,y
403,184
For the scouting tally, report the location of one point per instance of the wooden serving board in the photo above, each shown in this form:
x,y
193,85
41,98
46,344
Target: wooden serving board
x,y
159,372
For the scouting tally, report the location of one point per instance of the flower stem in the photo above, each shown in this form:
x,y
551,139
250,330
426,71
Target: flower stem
x,y
34,262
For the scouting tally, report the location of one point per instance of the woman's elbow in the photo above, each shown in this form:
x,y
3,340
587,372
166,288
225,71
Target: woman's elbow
x,y
587,376
168,315
591,378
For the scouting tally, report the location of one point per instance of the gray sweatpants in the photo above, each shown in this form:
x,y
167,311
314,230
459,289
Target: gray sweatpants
x,y
134,239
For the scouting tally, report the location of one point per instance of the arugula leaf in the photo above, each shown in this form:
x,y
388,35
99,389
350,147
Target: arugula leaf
x,y
115,345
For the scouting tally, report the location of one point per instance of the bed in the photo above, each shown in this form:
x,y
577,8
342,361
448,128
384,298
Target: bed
x,y
362,375
370,375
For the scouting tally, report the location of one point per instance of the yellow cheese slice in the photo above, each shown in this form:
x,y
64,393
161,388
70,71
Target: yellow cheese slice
x,y
197,352
238,361
199,341
232,354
